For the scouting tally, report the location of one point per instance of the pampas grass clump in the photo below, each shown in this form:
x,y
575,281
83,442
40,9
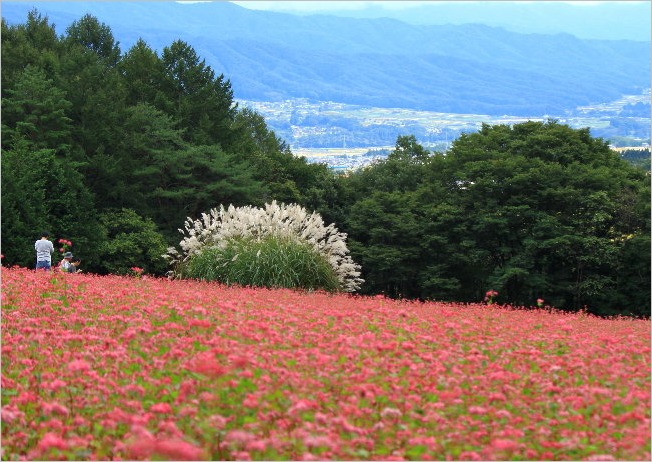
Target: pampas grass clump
x,y
275,246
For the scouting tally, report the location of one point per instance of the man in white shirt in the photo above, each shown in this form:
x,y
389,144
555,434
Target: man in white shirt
x,y
44,249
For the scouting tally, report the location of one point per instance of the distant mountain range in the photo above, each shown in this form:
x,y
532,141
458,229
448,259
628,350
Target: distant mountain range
x,y
378,62
599,20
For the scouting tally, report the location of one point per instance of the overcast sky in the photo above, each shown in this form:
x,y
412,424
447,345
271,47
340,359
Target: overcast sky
x,y
307,6
605,20
325,5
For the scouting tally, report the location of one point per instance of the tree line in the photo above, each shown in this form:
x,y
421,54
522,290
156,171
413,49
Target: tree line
x,y
114,150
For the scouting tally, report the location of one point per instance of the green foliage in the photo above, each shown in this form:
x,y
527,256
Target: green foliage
x,y
40,193
130,240
207,175
638,157
33,43
386,224
36,111
158,135
271,262
96,37
534,210
24,208
202,102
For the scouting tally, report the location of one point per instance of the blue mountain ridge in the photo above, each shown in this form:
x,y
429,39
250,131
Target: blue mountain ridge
x,y
603,20
380,62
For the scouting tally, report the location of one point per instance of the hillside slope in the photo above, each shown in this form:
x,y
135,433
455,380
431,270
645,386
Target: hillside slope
x,y
152,369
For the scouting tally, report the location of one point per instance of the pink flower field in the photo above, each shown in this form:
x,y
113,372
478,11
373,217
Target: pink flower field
x,y
108,367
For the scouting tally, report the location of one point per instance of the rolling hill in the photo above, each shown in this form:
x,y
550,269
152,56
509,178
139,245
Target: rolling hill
x,y
380,62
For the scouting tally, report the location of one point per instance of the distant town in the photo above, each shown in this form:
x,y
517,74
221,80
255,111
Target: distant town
x,y
348,137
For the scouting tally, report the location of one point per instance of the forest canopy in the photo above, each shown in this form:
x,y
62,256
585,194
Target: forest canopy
x,y
89,131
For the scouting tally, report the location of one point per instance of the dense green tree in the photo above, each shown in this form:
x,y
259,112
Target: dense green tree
x,y
202,102
639,157
40,193
35,110
34,43
385,221
187,182
534,210
97,37
89,76
129,240
24,207
402,170
544,201
386,242
144,76
129,174
130,118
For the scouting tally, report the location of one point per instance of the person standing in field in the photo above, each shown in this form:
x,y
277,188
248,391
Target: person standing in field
x,y
44,249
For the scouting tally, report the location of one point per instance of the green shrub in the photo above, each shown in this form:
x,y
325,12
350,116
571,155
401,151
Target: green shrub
x,y
130,240
271,262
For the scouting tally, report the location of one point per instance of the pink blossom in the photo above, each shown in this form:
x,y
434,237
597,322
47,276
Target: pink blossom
x,y
256,446
141,449
391,413
50,440
470,455
78,365
205,363
54,408
477,410
156,369
11,413
301,406
309,456
161,408
178,450
239,437
504,444
503,413
55,385
312,442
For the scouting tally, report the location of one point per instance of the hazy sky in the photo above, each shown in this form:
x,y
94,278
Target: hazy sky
x,y
609,20
307,6
326,5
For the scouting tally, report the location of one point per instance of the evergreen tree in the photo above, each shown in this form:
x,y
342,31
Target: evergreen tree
x,y
34,43
202,102
35,110
40,193
90,78
96,37
143,75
